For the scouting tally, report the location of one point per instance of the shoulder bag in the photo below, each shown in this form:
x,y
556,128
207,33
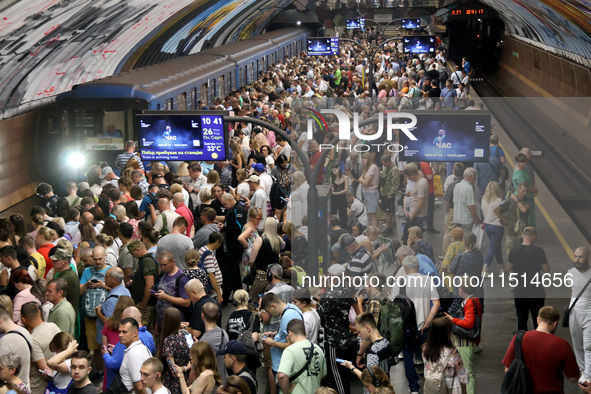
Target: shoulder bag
x,y
308,360
465,333
565,318
435,382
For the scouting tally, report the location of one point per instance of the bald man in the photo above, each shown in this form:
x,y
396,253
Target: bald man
x,y
166,215
145,336
580,314
178,200
93,290
214,335
114,280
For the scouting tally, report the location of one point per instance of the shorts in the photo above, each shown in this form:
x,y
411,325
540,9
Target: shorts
x,y
370,200
90,331
387,204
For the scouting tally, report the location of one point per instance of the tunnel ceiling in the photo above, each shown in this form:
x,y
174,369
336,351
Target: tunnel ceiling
x,y
47,46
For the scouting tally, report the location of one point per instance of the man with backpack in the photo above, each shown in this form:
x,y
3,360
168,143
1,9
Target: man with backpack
x,y
377,350
211,266
258,199
542,355
171,288
176,242
235,360
165,220
93,291
143,280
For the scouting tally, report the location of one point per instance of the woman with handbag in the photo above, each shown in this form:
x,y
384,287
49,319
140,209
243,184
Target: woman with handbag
x,y
468,263
246,239
466,329
444,369
243,319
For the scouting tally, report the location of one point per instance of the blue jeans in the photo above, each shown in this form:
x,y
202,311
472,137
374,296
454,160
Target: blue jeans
x,y
495,235
409,353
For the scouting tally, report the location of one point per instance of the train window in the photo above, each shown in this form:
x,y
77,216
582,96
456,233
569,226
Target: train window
x,y
246,79
168,105
253,71
222,86
157,107
193,102
182,101
240,77
204,94
230,80
97,129
214,87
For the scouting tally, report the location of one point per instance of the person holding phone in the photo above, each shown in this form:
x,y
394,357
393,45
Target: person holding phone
x,y
175,343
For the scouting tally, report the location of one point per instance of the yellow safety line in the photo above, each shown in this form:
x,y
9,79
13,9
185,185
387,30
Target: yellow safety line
x,y
557,232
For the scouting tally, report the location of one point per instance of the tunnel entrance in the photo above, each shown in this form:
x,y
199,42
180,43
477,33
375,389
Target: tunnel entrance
x,y
475,31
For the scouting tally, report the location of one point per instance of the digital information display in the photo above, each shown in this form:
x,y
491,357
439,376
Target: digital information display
x,y
419,44
354,24
448,137
181,137
411,23
323,46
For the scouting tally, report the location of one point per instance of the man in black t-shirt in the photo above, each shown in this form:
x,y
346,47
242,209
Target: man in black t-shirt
x,y
196,293
79,370
527,260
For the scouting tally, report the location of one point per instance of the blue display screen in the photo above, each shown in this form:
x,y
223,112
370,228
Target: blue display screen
x,y
448,137
419,44
181,137
411,23
323,46
353,24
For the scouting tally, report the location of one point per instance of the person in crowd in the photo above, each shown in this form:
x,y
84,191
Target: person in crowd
x,y
10,366
214,335
129,153
464,201
360,261
244,319
468,263
42,333
151,372
170,288
374,346
247,238
516,210
28,291
303,300
35,258
369,180
527,260
80,368
196,269
547,357
265,251
63,346
455,247
258,198
415,239
234,223
371,383
471,316
210,264
580,309
174,346
62,313
205,368
300,355
62,265
439,354
143,281
418,203
209,226
135,355
493,224
108,243
235,360
15,340
198,297
523,174
114,281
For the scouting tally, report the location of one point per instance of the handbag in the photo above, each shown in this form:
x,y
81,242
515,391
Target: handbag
x,y
479,232
435,381
565,318
471,333
519,224
117,386
437,187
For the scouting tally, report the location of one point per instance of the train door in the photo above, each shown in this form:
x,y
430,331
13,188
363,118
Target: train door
x,y
222,86
193,102
204,94
182,101
168,105
230,84
214,87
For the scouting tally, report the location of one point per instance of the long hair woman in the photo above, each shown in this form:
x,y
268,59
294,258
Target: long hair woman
x,y
493,224
468,263
369,180
247,237
439,354
28,291
174,346
205,367
265,251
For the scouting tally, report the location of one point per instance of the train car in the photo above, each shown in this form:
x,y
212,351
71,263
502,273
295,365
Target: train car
x,y
94,119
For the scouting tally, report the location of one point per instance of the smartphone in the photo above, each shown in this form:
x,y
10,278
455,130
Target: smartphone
x,y
339,360
171,367
153,291
189,339
94,280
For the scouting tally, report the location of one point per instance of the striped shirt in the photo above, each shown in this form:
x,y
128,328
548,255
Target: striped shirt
x,y
211,266
463,198
360,262
123,158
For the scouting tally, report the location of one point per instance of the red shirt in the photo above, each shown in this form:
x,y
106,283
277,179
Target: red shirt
x,y
313,160
426,170
470,316
44,251
546,357
185,212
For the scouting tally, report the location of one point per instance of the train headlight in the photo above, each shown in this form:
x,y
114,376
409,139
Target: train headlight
x,y
76,159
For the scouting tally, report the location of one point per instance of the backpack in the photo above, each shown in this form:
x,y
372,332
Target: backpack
x,y
93,297
252,348
435,381
186,311
206,286
398,322
277,196
164,230
517,379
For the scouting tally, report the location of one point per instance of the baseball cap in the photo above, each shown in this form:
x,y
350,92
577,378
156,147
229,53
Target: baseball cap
x,y
346,240
83,186
253,178
530,230
157,175
336,269
258,167
106,170
234,347
61,254
133,245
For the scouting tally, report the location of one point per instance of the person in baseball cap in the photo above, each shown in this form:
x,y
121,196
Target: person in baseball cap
x,y
233,347
235,359
258,167
61,254
133,245
254,179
